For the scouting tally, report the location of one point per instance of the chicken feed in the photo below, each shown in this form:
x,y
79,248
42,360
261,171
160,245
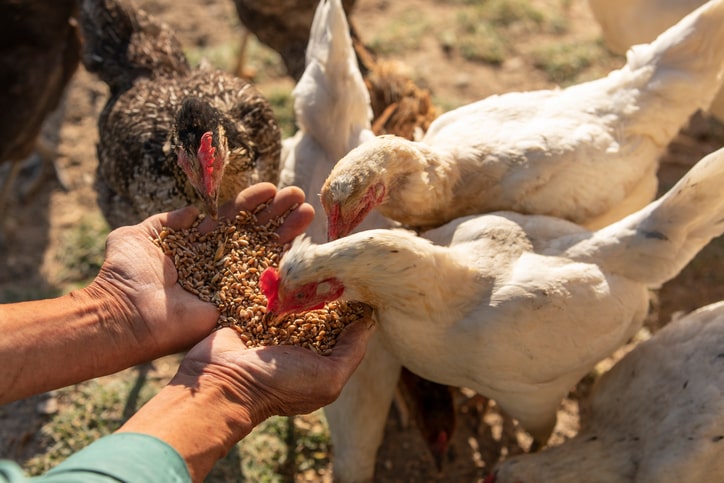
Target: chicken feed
x,y
223,267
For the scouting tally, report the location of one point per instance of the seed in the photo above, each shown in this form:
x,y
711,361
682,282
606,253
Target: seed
x,y
223,267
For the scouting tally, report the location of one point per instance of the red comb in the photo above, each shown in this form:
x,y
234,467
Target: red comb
x,y
269,285
206,155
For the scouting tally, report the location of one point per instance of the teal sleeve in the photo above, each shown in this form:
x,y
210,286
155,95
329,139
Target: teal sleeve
x,y
11,472
120,457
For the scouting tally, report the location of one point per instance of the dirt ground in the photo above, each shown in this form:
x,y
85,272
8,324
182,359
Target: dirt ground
x,y
34,232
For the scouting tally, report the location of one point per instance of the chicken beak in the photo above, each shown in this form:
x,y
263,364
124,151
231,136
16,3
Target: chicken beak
x,y
210,204
337,230
212,209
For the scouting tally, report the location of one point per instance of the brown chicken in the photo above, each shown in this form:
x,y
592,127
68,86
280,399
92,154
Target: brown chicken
x,y
399,106
39,53
282,25
433,407
169,135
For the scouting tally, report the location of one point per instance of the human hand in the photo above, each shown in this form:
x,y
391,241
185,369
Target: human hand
x,y
222,390
141,282
275,380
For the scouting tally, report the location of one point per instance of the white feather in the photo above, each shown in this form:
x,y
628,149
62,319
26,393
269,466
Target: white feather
x,y
332,109
629,22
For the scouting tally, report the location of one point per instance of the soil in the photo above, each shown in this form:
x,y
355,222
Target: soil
x,y
34,232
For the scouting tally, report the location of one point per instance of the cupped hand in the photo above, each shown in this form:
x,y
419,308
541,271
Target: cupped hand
x,y
276,380
141,282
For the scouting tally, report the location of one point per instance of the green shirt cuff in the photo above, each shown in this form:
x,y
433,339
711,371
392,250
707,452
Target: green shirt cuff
x,y
10,472
122,457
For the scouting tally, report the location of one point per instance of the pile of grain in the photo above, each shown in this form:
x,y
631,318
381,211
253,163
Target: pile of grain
x,y
223,267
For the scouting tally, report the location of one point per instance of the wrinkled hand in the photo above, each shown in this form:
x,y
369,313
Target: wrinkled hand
x,y
142,281
276,380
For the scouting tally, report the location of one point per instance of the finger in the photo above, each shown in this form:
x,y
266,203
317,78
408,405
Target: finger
x,y
295,223
177,219
284,200
199,317
352,343
247,200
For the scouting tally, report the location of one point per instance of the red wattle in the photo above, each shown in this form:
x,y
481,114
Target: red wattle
x,y
269,285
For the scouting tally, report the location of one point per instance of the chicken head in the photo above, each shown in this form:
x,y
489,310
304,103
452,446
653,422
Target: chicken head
x,y
352,190
344,216
374,175
309,296
202,153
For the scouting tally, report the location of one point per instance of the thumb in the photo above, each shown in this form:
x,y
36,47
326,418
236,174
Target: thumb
x,y
177,219
352,343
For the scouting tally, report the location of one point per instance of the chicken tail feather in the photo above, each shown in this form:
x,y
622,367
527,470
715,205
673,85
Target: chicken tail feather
x,y
680,71
654,244
334,82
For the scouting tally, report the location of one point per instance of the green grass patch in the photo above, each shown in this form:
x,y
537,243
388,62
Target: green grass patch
x,y
492,31
564,63
265,453
265,62
279,450
82,249
312,445
482,42
222,57
402,35
283,105
505,13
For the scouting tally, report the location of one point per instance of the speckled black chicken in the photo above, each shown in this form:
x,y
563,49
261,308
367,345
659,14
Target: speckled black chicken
x,y
282,25
170,135
39,53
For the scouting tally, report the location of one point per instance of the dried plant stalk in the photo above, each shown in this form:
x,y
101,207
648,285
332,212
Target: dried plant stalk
x,y
223,267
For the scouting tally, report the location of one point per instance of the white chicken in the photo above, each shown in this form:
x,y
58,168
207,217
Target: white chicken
x,y
629,22
657,415
516,307
332,108
588,153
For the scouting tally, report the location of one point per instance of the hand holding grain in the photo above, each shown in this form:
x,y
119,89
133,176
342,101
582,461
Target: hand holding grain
x,y
222,263
163,316
275,380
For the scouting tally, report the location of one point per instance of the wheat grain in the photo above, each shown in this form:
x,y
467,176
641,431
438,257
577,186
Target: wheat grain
x,y
223,267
